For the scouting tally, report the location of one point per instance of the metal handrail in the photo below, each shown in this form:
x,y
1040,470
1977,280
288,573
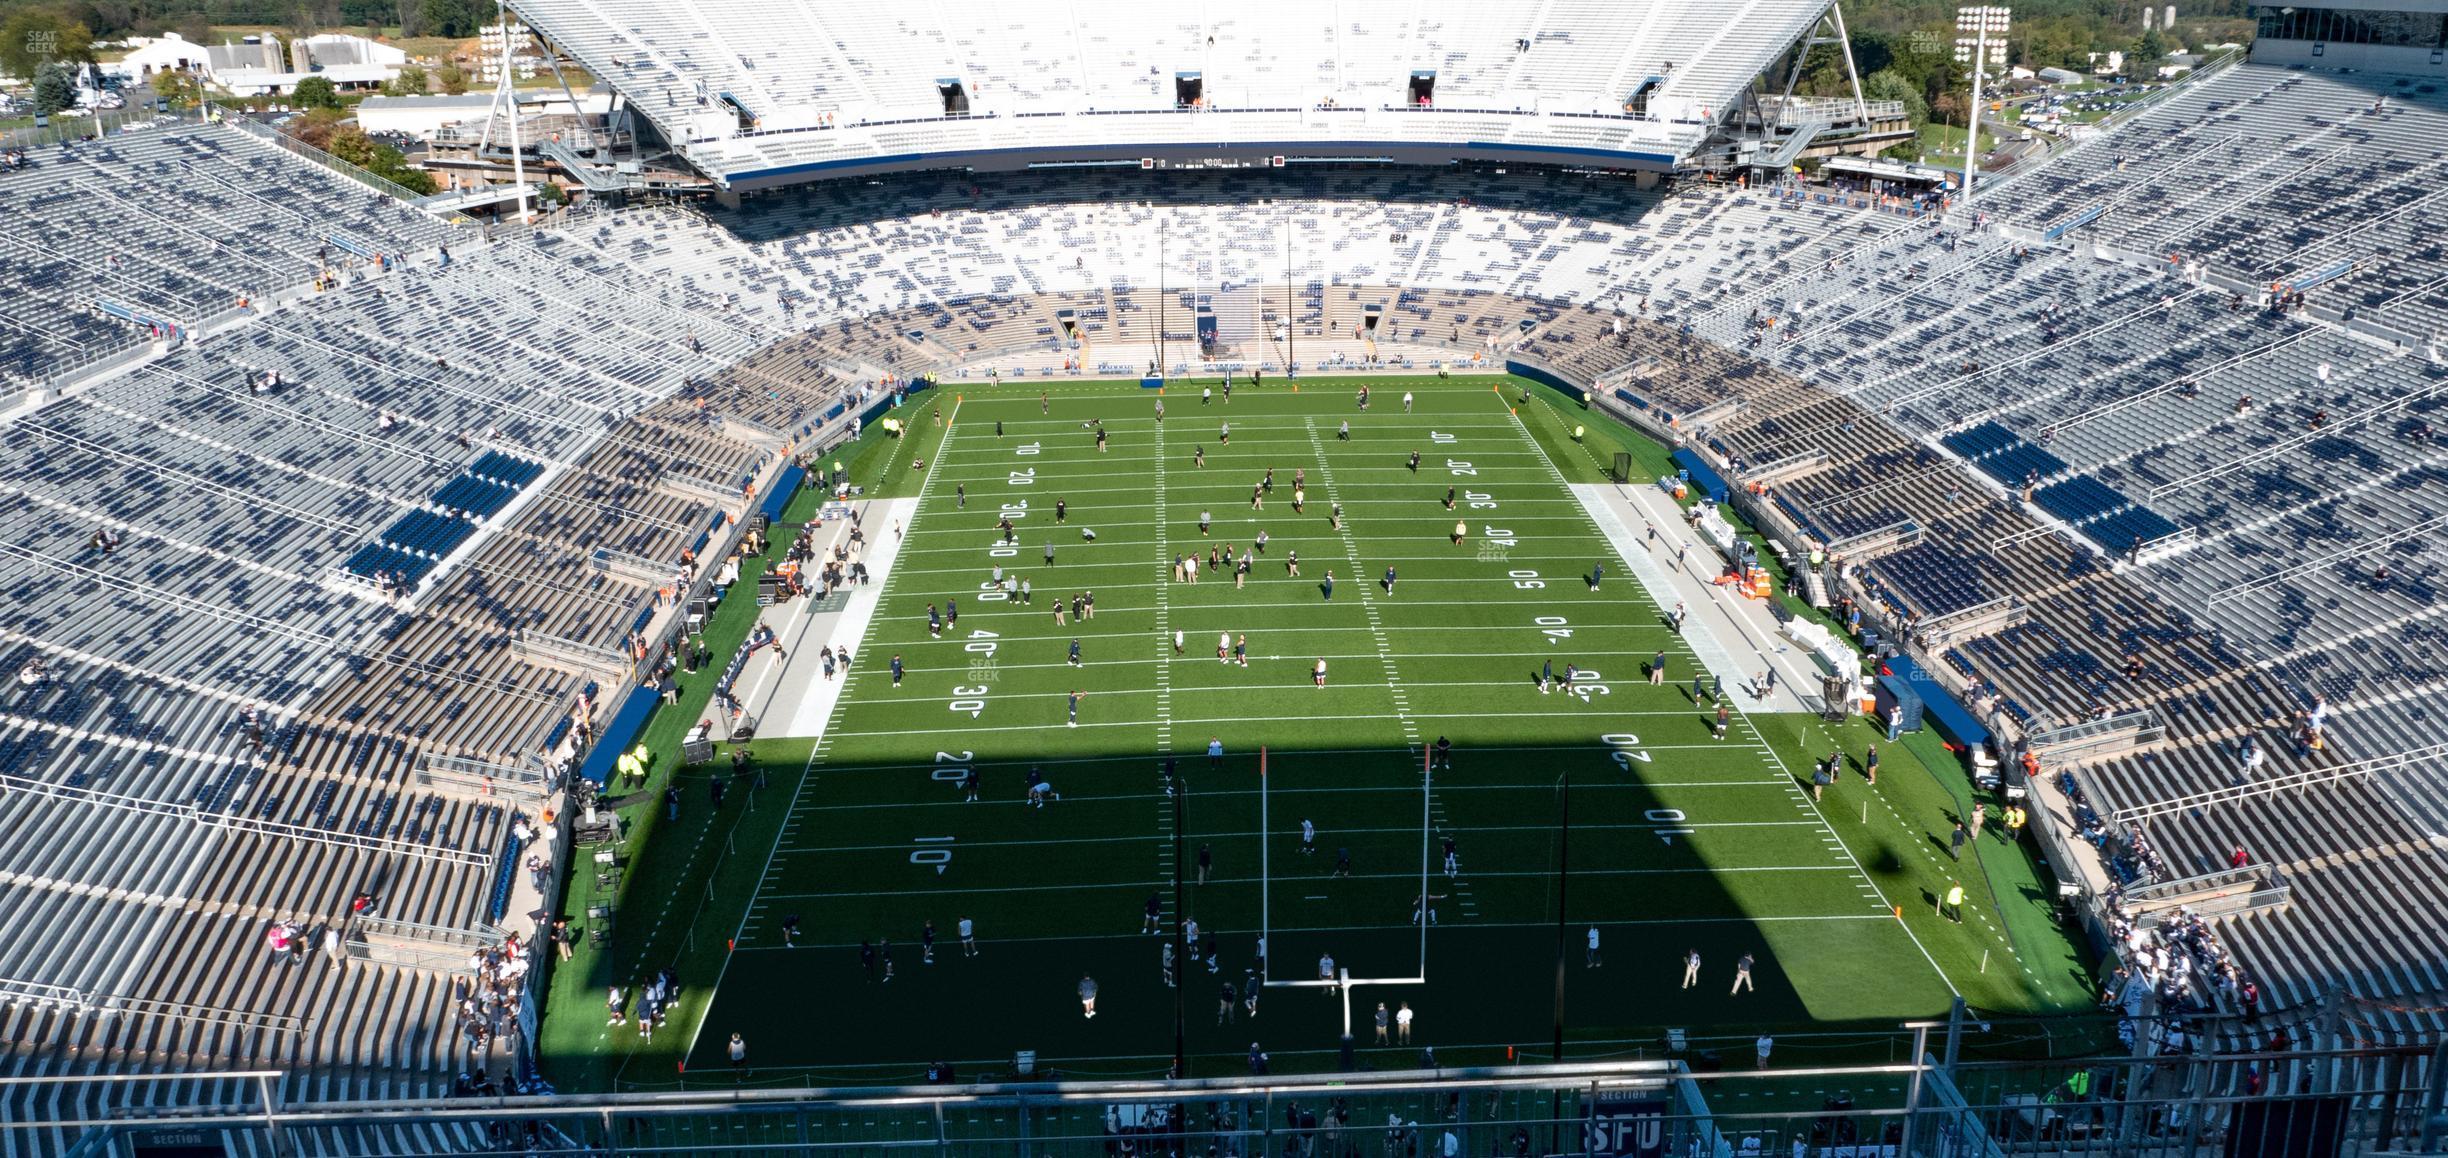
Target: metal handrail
x,y
2309,778
275,137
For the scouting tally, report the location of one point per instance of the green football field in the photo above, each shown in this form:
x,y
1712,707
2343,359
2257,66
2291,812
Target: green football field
x,y
1676,840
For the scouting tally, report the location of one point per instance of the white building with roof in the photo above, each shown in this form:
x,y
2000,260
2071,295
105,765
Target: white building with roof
x,y
263,65
150,56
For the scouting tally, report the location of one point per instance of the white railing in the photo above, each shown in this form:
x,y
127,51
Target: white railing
x,y
279,139
1794,112
480,778
287,831
2418,758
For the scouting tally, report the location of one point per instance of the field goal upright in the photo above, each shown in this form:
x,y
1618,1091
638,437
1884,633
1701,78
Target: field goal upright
x,y
1343,982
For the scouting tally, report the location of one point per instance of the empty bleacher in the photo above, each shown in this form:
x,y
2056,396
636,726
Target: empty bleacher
x,y
482,429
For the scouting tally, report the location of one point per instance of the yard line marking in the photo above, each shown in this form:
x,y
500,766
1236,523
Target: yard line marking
x,y
1409,876
1103,540
807,772
1034,842
1744,716
1260,421
1165,830
1195,665
1229,721
1223,792
1368,604
1523,683
1548,924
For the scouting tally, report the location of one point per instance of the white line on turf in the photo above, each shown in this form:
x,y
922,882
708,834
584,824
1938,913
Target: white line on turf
x,y
1124,586
816,753
1748,783
1134,838
1368,605
1785,780
1408,875
1747,919
1165,833
1768,752
807,772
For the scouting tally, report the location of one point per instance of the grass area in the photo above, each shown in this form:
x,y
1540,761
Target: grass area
x,y
436,50
1677,840
684,882
1944,144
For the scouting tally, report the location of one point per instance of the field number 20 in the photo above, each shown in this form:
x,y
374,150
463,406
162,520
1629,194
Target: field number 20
x,y
1625,748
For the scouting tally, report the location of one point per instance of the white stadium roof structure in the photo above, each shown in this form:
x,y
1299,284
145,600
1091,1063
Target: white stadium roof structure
x,y
757,94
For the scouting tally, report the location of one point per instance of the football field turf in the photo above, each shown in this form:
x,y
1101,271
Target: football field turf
x,y
1676,840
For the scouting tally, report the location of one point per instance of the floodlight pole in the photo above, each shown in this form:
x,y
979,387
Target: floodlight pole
x,y
507,93
1978,22
1980,53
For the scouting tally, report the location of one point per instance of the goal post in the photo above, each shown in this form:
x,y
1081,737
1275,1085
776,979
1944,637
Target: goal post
x,y
1266,884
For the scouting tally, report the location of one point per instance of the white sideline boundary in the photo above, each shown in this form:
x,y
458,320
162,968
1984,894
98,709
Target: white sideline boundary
x,y
1668,585
818,695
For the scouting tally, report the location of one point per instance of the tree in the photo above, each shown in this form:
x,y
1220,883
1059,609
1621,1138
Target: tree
x,y
178,90
353,146
454,79
453,17
411,81
1889,85
194,29
551,195
54,88
33,37
1948,108
2148,51
317,127
316,92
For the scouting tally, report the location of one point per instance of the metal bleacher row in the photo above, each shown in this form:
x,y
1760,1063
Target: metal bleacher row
x,y
1947,367
510,411
744,88
2277,463
2088,617
616,384
234,228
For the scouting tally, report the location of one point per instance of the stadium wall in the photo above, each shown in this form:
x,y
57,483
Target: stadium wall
x,y
2369,1100
1546,377
2395,60
1649,165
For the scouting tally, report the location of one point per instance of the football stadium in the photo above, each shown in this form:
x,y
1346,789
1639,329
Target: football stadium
x,y
1849,656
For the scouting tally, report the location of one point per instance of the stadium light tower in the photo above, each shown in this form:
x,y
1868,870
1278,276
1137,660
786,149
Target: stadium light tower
x,y
1981,42
505,99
